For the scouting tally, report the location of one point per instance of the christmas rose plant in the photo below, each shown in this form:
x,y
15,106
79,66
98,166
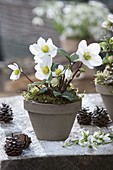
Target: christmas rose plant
x,y
105,77
54,81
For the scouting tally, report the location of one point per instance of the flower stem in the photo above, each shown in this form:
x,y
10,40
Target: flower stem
x,y
66,84
27,77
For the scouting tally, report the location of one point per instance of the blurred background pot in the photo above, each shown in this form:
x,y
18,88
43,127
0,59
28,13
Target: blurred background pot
x,y
106,93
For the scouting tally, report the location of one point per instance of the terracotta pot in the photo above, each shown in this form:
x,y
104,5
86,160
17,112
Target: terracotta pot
x,y
71,45
50,121
106,93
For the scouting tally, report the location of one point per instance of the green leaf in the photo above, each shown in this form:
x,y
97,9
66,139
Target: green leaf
x,y
82,69
74,57
37,83
43,90
54,66
61,51
76,142
105,60
104,45
69,95
56,93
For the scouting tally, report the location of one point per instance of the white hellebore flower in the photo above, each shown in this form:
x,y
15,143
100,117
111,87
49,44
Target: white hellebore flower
x,y
43,70
43,49
110,18
68,74
16,71
89,55
108,23
58,71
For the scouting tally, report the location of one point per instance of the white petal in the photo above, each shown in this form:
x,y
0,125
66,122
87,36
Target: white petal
x,y
37,67
105,24
34,49
39,75
96,60
54,52
68,74
88,64
60,67
50,42
82,47
94,48
53,74
41,42
110,18
14,77
37,59
46,61
16,65
11,66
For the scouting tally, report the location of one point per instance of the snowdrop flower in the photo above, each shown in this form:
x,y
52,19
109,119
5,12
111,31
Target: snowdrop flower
x,y
16,71
43,49
68,74
97,134
91,139
58,71
106,138
82,142
89,55
43,70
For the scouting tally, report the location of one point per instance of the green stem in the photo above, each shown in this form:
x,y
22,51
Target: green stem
x,y
66,84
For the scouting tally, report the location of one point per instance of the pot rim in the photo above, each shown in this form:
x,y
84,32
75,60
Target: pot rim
x,y
103,89
50,108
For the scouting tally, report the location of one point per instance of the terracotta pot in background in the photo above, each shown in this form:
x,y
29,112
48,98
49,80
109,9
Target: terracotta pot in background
x,y
71,45
106,93
50,121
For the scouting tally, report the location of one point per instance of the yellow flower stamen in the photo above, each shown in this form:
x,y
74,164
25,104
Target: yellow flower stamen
x,y
45,48
45,70
58,71
87,56
16,72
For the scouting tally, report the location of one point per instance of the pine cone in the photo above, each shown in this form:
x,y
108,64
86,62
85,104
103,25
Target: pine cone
x,y
100,117
13,147
84,116
24,139
6,113
16,144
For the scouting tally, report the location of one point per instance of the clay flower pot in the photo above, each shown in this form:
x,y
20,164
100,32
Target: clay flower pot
x,y
69,44
51,121
106,93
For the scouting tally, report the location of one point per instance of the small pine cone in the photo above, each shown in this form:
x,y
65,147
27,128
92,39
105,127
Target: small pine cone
x,y
84,116
13,147
6,113
24,139
16,144
100,117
